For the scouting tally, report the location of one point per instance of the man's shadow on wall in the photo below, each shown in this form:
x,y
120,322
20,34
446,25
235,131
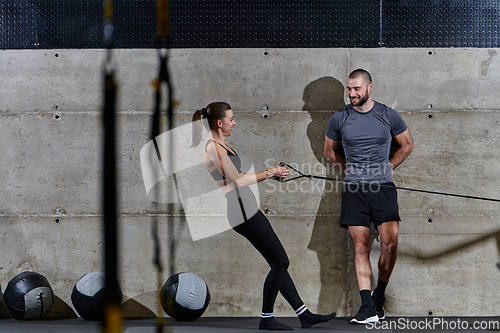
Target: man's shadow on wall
x,y
322,98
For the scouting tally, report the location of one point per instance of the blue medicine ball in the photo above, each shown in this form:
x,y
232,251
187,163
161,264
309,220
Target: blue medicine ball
x,y
29,296
88,296
185,296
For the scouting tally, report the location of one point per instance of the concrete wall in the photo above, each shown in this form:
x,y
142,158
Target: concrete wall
x,y
50,148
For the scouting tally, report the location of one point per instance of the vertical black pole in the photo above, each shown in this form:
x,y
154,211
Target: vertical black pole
x,y
112,312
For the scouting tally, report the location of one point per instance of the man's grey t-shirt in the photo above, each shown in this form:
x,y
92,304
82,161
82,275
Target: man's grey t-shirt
x,y
366,138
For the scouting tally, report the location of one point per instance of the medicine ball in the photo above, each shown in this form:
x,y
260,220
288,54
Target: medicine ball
x,y
88,296
29,296
185,296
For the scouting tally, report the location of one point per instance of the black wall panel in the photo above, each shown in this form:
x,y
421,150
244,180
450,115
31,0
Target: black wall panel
x,y
45,24
449,23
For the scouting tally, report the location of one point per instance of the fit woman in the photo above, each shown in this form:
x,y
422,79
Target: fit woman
x,y
244,216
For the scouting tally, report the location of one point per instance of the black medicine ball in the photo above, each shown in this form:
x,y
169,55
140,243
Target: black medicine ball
x,y
185,296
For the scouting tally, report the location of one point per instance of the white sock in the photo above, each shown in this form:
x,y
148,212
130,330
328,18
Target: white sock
x,y
267,315
301,310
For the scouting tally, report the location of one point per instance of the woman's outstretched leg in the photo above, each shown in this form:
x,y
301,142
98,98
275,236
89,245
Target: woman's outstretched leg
x,y
260,234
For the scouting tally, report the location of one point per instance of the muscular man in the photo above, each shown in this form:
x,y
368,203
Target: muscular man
x,y
365,129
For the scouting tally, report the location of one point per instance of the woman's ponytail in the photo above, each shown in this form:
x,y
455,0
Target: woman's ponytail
x,y
197,128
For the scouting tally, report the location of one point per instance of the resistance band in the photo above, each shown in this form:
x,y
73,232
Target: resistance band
x,y
302,175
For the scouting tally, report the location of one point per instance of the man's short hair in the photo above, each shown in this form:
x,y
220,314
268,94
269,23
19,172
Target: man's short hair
x,y
361,72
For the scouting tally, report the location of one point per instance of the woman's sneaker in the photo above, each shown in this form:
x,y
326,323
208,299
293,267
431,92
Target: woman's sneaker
x,y
365,315
379,300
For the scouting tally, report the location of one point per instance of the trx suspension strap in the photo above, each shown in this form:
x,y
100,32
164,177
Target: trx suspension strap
x,y
112,312
162,31
302,175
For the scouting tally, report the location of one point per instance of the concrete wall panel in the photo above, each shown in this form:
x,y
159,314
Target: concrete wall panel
x,y
438,269
433,79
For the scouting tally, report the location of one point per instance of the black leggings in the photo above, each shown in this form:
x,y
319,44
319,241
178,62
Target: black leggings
x,y
259,232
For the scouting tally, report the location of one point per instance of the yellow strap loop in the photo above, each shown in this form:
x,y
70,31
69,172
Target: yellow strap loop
x,y
108,10
163,19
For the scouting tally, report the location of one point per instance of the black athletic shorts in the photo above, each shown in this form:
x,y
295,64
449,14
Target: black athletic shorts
x,y
369,202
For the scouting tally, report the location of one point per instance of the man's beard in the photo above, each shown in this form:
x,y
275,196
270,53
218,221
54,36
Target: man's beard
x,y
363,99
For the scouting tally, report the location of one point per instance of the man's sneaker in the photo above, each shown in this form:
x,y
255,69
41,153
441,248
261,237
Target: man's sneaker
x,y
379,300
365,315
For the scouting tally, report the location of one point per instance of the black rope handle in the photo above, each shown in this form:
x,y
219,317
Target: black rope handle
x,y
302,175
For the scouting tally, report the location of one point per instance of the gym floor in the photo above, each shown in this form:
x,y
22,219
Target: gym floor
x,y
250,324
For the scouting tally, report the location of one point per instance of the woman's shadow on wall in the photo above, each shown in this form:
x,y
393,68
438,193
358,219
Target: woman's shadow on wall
x,y
322,98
